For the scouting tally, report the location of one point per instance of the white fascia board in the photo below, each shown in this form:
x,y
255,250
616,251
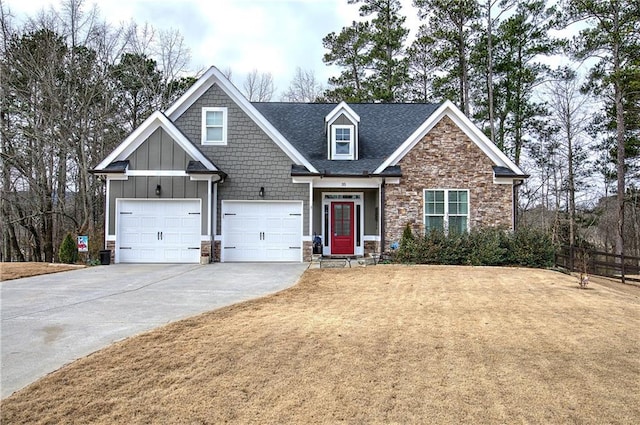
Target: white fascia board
x,y
464,123
157,173
506,180
342,107
146,129
116,176
205,177
189,97
347,182
214,76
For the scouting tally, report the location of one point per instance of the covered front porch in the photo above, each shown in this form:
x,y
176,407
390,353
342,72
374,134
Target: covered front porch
x,y
346,221
346,215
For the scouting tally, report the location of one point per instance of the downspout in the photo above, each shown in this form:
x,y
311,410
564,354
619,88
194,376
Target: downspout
x,y
514,207
382,217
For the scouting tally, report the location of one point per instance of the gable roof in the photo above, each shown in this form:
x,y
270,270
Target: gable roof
x,y
383,128
214,76
345,109
474,133
141,134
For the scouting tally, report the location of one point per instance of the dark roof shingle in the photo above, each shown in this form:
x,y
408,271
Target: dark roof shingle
x,y
383,128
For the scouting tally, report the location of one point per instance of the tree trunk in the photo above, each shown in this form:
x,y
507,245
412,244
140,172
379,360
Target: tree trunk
x,y
571,181
492,128
620,157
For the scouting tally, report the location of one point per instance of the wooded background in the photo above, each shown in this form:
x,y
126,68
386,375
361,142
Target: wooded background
x,y
73,86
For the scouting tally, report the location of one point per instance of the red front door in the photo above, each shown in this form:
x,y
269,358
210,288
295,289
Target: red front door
x,y
342,228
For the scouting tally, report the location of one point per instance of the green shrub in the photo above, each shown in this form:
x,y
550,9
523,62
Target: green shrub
x,y
407,247
488,246
68,252
531,248
481,247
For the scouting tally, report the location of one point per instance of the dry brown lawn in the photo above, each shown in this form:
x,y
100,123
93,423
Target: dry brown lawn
x,y
384,344
17,270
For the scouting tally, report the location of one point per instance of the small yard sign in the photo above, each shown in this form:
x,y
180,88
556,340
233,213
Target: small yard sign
x,y
83,243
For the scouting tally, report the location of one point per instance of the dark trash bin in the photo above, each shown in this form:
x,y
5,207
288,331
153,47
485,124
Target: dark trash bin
x,y
317,245
105,257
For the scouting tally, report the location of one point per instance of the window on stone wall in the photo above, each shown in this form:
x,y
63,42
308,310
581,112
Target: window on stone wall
x,y
214,126
446,209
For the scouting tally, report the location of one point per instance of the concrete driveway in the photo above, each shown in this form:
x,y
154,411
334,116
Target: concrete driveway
x,y
51,320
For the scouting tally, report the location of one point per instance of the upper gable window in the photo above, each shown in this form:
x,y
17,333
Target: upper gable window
x,y
342,141
214,126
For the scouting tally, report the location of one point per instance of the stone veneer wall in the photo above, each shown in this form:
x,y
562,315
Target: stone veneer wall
x,y
307,250
445,159
111,245
205,252
371,247
216,251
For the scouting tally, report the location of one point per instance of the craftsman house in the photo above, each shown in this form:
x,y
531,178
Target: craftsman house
x,y
218,178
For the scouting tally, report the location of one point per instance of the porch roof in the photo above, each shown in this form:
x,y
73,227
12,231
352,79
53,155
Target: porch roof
x,y
300,170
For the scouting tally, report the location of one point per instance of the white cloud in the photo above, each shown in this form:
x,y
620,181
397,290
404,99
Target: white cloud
x,y
269,35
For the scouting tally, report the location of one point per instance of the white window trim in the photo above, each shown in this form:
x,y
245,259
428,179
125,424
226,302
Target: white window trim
x,y
204,140
445,216
352,142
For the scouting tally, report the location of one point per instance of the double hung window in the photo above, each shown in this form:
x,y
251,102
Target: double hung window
x,y
343,142
446,210
214,126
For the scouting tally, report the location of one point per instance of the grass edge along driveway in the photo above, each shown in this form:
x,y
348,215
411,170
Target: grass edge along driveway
x,y
384,344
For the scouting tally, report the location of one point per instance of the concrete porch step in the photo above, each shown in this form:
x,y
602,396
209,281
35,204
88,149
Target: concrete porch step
x,y
320,262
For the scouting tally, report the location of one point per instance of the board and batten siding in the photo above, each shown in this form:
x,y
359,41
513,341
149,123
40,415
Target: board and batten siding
x,y
144,187
159,152
250,158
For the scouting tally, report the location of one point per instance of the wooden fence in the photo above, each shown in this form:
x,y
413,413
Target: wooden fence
x,y
599,263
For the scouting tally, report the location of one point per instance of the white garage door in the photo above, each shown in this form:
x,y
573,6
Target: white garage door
x,y
261,231
158,231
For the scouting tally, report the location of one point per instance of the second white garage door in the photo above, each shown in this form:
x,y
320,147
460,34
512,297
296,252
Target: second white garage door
x,y
261,231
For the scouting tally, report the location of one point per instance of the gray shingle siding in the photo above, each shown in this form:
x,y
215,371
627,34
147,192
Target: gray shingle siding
x,y
251,159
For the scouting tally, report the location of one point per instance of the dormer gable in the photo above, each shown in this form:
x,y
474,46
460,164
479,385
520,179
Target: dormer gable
x,y
341,126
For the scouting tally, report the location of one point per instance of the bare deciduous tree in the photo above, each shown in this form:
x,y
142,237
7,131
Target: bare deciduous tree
x,y
569,111
258,87
303,88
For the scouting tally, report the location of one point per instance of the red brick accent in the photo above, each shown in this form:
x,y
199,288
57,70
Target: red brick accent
x,y
445,159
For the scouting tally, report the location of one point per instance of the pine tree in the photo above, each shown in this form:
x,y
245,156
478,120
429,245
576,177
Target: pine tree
x,y
349,50
371,55
387,60
523,38
448,36
68,252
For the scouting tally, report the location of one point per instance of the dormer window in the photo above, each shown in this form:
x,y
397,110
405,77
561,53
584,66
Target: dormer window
x,y
342,133
343,143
